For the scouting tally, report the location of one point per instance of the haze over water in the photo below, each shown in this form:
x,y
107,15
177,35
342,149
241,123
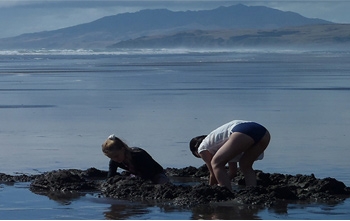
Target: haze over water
x,y
57,107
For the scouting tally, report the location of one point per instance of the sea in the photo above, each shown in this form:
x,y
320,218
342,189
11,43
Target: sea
x,y
58,106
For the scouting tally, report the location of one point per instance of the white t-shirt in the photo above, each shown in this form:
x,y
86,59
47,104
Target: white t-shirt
x,y
215,139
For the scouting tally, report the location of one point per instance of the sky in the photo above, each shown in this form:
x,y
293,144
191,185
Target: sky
x,y
29,16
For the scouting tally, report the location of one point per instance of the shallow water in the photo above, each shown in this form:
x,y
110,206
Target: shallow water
x,y
57,108
18,203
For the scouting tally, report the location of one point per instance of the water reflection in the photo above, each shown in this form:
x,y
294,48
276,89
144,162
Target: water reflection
x,y
310,210
125,211
229,211
64,198
149,209
122,209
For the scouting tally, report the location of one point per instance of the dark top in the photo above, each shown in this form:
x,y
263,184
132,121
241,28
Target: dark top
x,y
142,165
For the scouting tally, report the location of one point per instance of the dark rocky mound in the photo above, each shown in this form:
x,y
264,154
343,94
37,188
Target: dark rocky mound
x,y
135,188
190,171
5,178
69,180
274,187
271,188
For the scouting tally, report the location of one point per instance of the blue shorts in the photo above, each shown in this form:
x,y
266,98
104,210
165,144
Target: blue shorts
x,y
252,129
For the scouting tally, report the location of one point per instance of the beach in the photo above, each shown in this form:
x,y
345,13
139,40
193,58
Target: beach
x,y
57,107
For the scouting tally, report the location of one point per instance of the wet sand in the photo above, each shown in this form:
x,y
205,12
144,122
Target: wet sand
x,y
189,191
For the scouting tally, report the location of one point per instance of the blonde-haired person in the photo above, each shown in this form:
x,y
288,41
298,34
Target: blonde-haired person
x,y
133,159
237,141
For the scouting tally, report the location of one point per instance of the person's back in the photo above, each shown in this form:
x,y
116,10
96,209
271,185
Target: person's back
x,y
135,160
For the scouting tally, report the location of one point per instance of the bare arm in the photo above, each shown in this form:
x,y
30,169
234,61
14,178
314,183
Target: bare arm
x,y
112,168
207,156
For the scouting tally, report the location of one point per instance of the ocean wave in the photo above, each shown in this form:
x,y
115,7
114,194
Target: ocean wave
x,y
140,51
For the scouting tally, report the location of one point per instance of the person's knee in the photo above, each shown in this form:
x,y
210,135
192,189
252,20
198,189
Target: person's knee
x,y
216,164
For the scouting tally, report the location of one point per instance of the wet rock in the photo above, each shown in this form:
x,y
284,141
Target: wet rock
x,y
202,171
182,195
282,192
331,186
17,178
271,189
202,194
93,174
255,196
188,172
64,180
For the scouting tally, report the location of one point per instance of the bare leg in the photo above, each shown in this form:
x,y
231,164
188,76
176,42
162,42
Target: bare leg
x,y
248,158
232,166
236,144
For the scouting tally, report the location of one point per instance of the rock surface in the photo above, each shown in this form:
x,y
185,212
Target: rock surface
x,y
271,188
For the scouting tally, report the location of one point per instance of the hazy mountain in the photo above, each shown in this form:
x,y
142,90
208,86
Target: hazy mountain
x,y
113,29
326,35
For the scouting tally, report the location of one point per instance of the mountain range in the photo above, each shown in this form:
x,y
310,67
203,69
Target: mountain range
x,y
236,25
316,36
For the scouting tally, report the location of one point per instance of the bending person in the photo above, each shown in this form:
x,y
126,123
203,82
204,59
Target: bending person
x,y
237,141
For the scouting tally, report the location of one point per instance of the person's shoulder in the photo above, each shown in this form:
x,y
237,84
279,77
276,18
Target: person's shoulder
x,y
138,151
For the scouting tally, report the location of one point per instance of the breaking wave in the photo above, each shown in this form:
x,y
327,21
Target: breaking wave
x,y
139,51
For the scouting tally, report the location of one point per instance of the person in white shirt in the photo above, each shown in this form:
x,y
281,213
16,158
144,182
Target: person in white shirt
x,y
237,141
